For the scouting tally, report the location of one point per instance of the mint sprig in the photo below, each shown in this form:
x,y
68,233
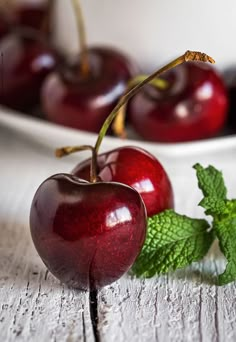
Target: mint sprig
x,y
174,241
223,212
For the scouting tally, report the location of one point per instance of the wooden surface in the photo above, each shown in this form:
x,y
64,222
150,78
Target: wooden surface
x,y
34,306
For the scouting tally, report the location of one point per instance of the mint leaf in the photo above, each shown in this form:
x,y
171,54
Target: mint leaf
x,y
213,205
225,229
223,211
173,241
211,182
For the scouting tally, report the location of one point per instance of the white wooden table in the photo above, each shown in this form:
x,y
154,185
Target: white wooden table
x,y
34,306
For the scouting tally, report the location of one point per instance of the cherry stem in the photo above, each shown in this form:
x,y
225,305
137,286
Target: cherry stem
x,y
186,57
118,125
67,150
82,37
158,83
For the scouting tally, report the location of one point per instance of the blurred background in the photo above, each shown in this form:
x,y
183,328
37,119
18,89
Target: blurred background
x,y
56,73
154,31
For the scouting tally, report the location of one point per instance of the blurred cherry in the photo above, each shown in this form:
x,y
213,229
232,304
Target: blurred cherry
x,y
194,106
26,61
83,102
83,94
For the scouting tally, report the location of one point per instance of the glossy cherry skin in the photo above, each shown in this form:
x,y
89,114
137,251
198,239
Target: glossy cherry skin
x,y
137,168
87,234
85,102
194,106
26,62
30,14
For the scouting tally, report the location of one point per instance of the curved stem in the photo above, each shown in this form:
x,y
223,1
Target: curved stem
x,y
67,150
82,37
118,125
159,83
187,56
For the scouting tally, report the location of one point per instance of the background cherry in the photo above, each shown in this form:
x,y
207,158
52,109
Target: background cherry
x,y
194,106
26,61
88,235
84,94
84,102
137,168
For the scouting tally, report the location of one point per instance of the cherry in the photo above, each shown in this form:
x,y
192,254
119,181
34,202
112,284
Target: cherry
x,y
88,235
26,61
83,95
194,106
85,102
137,168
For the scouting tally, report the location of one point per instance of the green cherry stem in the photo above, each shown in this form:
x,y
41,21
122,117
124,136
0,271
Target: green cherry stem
x,y
85,68
159,83
67,150
186,57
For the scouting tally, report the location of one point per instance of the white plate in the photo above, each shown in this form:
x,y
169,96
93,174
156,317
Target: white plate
x,y
54,135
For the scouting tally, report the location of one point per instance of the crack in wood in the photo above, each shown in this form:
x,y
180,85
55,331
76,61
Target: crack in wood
x,y
93,306
46,275
83,325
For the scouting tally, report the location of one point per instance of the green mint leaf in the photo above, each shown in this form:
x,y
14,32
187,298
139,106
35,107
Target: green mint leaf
x,y
173,241
223,211
213,205
225,230
211,182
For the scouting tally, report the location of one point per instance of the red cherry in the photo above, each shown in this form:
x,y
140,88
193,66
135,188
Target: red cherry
x,y
87,234
26,61
85,102
194,106
137,168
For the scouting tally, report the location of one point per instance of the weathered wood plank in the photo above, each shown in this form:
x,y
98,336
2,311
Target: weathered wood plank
x,y
180,307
